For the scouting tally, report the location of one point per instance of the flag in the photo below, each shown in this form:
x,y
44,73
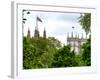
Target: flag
x,y
38,19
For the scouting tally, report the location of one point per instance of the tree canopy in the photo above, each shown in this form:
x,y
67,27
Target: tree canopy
x,y
64,58
85,21
48,53
86,52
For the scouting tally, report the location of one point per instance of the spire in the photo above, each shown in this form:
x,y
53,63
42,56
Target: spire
x,y
82,35
72,35
36,32
73,30
67,35
28,33
76,35
44,33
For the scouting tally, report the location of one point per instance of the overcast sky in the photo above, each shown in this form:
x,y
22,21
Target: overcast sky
x,y
57,24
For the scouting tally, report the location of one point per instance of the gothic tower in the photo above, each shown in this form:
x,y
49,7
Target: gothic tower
x,y
36,32
44,33
28,34
75,42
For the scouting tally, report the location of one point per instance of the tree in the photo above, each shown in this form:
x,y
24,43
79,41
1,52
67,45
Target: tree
x,y
86,52
54,42
85,21
40,43
64,58
28,53
38,52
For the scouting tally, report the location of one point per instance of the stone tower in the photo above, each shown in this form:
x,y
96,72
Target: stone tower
x,y
28,34
44,33
36,32
75,42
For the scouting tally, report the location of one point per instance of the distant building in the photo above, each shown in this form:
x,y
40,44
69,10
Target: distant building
x,y
75,42
44,33
28,33
36,33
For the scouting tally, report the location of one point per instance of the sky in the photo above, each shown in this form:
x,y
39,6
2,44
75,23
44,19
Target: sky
x,y
56,24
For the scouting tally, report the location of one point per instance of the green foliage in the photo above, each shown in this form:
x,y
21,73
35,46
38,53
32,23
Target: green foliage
x,y
29,53
85,21
48,53
64,58
79,60
38,52
54,42
86,52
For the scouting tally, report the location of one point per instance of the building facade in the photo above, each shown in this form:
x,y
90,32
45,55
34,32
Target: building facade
x,y
36,33
75,42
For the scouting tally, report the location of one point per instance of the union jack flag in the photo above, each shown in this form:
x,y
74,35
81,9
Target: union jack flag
x,y
38,19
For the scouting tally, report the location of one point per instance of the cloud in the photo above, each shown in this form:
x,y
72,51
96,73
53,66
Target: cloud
x,y
70,17
56,24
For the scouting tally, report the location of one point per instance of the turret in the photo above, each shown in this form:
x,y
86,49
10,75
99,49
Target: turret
x,y
67,35
28,33
44,33
72,35
36,32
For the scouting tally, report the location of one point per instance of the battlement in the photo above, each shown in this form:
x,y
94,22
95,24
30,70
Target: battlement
x,y
75,41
